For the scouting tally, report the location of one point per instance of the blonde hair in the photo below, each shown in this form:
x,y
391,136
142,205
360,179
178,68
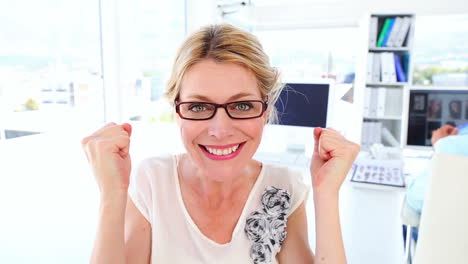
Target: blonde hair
x,y
225,43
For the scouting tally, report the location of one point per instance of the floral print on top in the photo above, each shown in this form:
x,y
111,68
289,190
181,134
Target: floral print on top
x,y
266,227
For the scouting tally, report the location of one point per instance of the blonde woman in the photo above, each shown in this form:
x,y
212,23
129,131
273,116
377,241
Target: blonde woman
x,y
215,204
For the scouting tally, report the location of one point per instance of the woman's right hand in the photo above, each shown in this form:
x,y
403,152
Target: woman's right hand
x,y
107,151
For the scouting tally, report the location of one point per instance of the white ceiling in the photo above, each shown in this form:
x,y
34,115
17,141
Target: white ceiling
x,y
329,13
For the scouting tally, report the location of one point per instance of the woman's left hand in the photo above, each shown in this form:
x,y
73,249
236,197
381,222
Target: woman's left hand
x,y
333,157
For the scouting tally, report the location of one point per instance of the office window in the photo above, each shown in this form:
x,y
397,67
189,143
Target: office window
x,y
150,34
50,68
305,55
441,50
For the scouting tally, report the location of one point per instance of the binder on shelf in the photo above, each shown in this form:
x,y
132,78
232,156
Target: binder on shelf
x,y
370,62
406,60
387,34
364,136
384,69
371,133
373,103
381,96
383,32
367,100
406,24
376,69
394,33
376,133
384,73
388,67
373,30
400,73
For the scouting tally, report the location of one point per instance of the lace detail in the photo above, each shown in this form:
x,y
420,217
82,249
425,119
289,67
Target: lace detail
x,y
266,227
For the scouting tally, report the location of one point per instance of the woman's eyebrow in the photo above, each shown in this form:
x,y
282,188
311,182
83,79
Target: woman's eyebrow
x,y
207,99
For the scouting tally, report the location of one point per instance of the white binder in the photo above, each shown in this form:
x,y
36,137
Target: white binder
x,y
376,69
373,32
388,67
392,39
381,96
370,62
406,24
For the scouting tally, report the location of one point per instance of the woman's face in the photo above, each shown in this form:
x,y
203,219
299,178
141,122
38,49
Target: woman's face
x,y
220,146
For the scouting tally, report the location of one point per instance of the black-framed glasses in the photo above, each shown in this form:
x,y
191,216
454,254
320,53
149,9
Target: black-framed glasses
x,y
236,110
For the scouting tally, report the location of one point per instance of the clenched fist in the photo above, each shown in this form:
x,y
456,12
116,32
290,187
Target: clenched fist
x,y
333,157
107,151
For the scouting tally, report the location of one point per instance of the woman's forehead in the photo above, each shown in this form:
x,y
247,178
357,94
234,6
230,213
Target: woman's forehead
x,y
219,81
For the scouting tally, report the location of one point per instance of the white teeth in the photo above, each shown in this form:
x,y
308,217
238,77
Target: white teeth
x,y
221,152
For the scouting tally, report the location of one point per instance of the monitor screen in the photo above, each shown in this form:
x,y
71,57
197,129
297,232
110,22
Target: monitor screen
x,y
431,109
303,104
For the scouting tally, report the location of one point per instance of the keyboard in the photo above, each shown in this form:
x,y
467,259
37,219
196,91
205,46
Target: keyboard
x,y
288,159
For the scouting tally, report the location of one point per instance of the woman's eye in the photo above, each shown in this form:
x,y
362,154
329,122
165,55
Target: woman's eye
x,y
197,108
243,106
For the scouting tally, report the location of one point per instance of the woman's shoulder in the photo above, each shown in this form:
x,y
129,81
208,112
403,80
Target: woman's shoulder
x,y
288,180
154,162
283,174
155,166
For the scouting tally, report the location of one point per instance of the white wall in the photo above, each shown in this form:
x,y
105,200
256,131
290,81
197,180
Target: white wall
x,y
200,13
345,12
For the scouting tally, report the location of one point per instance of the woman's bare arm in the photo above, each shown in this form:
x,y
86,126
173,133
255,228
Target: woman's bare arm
x,y
333,157
124,235
329,242
109,246
296,247
137,235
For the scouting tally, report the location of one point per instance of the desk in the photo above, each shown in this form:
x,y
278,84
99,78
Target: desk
x,y
49,201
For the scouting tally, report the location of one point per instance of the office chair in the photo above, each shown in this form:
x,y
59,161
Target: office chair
x,y
443,229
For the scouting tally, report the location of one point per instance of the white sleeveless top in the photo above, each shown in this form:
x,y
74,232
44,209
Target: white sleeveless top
x,y
155,191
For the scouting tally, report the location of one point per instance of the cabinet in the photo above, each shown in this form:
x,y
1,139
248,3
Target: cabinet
x,y
384,76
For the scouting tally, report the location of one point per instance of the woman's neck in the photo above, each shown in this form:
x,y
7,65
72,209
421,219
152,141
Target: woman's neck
x,y
213,190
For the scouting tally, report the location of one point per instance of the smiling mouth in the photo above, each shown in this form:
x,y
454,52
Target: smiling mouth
x,y
222,151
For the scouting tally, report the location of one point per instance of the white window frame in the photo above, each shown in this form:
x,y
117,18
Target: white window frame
x,y
110,60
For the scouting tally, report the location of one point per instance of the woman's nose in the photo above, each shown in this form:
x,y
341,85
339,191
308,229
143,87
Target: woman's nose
x,y
220,126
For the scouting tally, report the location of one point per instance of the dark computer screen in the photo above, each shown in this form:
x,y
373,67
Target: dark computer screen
x,y
431,109
303,104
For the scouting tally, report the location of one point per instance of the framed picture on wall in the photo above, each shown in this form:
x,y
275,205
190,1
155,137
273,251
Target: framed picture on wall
x,y
418,103
434,109
455,109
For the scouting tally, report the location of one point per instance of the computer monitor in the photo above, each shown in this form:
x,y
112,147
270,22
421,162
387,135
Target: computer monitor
x,y
430,109
301,107
303,104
